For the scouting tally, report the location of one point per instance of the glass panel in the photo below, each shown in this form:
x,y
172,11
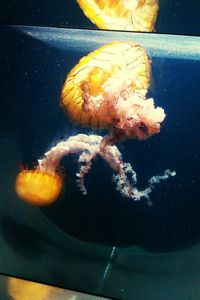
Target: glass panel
x,y
102,243
176,17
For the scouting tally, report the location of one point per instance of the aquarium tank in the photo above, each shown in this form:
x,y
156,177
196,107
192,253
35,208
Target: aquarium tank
x,y
100,186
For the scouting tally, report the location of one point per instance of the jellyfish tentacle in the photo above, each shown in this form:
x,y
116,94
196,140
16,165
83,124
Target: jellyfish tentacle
x,y
87,147
87,159
114,158
73,145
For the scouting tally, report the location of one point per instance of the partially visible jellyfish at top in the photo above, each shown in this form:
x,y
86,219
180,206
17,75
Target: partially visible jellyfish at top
x,y
129,15
105,90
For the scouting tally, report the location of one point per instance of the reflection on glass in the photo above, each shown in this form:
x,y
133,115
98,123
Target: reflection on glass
x,y
106,89
130,15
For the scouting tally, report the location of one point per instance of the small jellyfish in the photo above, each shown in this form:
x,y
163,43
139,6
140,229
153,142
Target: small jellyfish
x,y
130,15
38,187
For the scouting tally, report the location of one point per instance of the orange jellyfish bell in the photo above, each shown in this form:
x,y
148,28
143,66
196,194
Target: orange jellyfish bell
x,y
88,93
38,187
131,15
107,89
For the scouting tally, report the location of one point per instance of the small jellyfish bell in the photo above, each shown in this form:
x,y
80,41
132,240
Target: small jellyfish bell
x,y
38,187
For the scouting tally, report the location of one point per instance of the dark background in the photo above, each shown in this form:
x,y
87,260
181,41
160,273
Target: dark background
x,y
30,102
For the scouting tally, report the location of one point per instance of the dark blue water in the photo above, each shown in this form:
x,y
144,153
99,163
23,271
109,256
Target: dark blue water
x,y
32,75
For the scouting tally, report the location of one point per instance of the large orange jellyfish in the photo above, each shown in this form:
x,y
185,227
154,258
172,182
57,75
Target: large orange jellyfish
x,y
106,89
131,15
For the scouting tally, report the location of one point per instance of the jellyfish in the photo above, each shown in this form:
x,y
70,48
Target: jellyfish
x,y
130,15
105,90
37,187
